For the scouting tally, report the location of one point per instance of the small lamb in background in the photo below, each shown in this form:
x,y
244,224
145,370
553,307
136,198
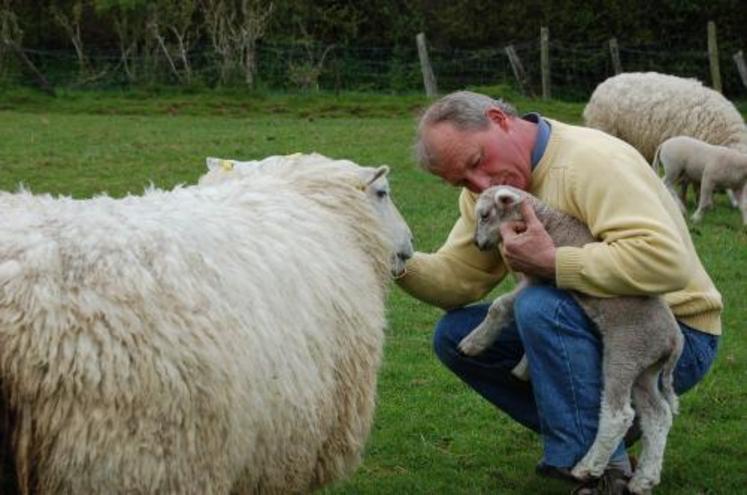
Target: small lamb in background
x,y
686,160
640,336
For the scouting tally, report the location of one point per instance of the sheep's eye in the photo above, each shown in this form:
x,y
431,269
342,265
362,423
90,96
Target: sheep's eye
x,y
381,194
484,215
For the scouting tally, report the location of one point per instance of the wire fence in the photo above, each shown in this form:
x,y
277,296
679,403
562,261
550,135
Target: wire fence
x,y
575,69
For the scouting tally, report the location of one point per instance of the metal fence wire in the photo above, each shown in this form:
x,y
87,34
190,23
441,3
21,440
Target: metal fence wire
x,y
575,70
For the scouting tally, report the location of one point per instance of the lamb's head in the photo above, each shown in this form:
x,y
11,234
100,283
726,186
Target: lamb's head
x,y
377,191
496,205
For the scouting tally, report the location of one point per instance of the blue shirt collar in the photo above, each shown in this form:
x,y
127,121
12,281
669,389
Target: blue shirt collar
x,y
543,136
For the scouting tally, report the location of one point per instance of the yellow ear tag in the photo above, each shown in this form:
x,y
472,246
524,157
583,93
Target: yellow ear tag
x,y
226,165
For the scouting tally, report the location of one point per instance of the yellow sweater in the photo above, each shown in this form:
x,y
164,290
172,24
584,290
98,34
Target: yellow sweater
x,y
643,245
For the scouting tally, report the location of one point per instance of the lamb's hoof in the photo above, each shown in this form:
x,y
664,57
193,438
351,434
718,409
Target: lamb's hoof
x,y
638,486
585,470
582,472
471,346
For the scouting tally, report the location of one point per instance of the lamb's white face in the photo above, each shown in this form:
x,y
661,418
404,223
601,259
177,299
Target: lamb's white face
x,y
378,193
495,206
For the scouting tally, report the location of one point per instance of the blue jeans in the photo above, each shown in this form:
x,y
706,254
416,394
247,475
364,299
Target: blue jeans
x,y
564,351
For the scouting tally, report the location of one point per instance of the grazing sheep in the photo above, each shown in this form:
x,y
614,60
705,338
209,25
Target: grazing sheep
x,y
714,167
213,339
641,339
646,108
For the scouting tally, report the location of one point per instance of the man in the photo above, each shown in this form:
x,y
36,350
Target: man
x,y
644,247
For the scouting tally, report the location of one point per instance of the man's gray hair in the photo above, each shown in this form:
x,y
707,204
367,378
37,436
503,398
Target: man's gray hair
x,y
465,110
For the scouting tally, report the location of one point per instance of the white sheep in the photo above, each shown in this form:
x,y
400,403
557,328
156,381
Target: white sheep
x,y
212,339
641,341
647,108
686,159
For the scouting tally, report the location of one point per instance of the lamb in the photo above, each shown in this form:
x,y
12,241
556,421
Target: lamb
x,y
715,167
641,339
646,108
211,339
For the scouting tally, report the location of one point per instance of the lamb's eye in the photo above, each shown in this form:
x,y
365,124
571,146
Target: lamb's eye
x,y
381,194
484,215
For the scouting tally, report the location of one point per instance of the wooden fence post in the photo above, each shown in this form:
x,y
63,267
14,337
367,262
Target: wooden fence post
x,y
519,74
429,80
713,56
741,67
545,61
615,54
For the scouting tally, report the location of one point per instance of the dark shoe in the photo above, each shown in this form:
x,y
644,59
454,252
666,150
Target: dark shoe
x,y
612,482
557,473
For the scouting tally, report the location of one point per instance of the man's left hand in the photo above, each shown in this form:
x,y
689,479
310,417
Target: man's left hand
x,y
527,247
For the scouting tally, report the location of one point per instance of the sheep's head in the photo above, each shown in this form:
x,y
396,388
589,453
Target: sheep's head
x,y
376,187
496,205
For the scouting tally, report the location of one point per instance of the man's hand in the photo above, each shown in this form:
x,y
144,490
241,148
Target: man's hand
x,y
527,247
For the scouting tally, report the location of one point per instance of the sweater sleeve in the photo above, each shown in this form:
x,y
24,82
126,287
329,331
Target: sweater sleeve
x,y
458,273
640,250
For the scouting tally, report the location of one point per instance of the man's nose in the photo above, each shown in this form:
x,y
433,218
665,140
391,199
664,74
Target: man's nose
x,y
478,183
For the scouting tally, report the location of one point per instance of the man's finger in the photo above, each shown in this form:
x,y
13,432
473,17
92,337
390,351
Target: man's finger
x,y
527,212
512,229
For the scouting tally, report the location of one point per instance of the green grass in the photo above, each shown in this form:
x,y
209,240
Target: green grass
x,y
432,435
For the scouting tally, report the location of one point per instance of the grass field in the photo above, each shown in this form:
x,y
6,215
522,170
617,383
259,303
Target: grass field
x,y
431,435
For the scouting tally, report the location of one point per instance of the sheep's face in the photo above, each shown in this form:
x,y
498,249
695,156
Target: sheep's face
x,y
495,206
378,193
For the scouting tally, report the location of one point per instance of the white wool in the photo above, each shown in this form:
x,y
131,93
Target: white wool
x,y
210,339
646,108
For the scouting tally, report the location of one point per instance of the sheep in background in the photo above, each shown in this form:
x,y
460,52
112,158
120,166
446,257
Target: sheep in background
x,y
646,108
715,167
213,339
641,340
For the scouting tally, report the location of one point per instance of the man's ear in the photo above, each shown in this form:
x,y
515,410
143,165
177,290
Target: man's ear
x,y
498,117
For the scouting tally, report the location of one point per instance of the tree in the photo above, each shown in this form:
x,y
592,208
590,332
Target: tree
x,y
170,23
234,27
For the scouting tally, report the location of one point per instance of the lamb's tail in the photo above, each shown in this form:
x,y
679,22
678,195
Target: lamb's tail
x,y
667,374
656,163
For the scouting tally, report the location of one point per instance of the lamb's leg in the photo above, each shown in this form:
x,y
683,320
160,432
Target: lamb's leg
x,y
615,416
670,180
656,420
684,184
733,197
500,313
743,203
706,196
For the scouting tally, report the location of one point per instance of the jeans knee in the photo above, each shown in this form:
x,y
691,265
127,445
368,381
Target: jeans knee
x,y
539,311
532,303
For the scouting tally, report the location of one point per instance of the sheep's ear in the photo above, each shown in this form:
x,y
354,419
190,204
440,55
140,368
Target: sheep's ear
x,y
506,198
382,171
212,163
219,163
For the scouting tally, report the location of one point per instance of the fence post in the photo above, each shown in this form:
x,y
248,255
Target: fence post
x,y
429,80
615,54
741,67
713,56
519,74
545,61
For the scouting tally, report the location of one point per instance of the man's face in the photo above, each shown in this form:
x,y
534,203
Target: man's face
x,y
483,158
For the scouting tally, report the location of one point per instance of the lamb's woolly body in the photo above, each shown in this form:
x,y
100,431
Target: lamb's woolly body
x,y
640,336
200,340
687,160
646,108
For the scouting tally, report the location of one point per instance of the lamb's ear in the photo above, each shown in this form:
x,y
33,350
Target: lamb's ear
x,y
506,198
382,171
